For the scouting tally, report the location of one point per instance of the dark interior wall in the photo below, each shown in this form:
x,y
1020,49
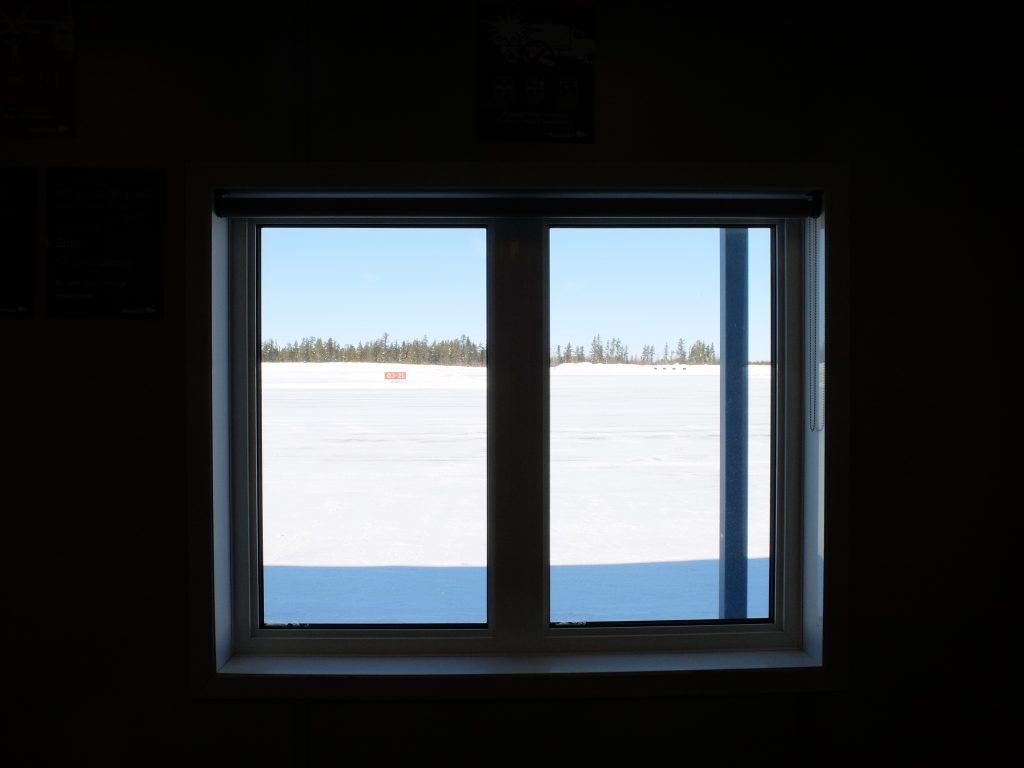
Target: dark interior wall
x,y
918,109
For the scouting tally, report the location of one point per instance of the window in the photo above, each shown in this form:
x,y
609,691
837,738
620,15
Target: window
x,y
557,579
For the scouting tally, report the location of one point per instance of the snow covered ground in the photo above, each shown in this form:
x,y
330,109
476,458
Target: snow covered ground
x,y
374,492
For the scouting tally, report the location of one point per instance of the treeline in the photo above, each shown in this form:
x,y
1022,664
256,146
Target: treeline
x,y
614,351
464,351
461,351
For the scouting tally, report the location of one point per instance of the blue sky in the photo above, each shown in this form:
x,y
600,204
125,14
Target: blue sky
x,y
355,284
644,286
650,286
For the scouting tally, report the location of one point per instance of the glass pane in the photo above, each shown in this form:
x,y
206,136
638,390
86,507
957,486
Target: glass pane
x,y
374,425
636,424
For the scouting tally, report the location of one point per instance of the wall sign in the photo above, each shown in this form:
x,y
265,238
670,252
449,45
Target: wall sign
x,y
104,243
38,95
535,70
17,245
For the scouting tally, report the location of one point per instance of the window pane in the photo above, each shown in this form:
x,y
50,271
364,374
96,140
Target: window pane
x,y
373,425
636,424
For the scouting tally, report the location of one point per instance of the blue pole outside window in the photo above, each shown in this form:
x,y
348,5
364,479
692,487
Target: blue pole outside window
x,y
732,557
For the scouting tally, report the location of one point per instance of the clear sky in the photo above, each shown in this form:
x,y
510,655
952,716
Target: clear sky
x,y
644,286
650,286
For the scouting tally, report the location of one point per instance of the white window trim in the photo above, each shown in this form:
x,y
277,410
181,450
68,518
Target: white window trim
x,y
235,649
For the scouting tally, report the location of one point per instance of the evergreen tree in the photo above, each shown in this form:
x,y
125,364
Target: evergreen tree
x,y
696,355
681,351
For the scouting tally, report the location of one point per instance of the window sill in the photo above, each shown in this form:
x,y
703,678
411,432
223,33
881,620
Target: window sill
x,y
531,676
519,664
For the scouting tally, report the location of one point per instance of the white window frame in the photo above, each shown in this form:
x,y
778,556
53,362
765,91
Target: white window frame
x,y
231,647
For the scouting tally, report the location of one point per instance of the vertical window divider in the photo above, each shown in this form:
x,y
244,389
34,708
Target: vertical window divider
x,y
244,434
789,492
517,432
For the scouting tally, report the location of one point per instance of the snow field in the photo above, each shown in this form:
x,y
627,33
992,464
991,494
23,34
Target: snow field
x,y
359,470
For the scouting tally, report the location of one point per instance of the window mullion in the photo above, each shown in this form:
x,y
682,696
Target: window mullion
x,y
517,443
244,435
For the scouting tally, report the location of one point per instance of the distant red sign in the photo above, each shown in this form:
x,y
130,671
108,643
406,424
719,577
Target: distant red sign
x,y
394,374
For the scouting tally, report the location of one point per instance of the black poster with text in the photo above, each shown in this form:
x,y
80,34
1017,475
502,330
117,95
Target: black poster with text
x,y
535,70
104,243
38,82
17,246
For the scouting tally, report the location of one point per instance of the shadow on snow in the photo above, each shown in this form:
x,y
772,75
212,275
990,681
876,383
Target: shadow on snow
x,y
444,595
